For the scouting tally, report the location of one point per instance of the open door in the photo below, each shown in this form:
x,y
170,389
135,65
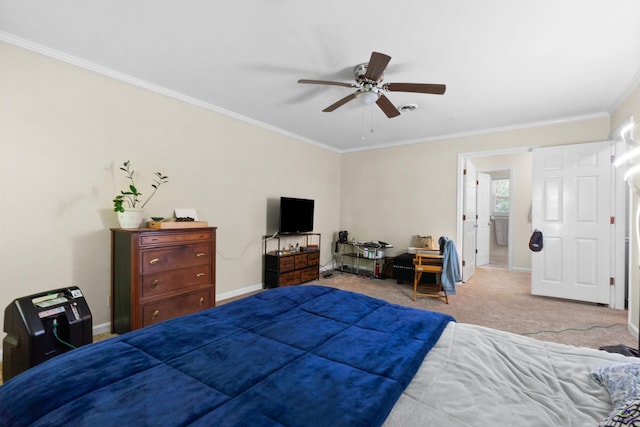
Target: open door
x,y
469,221
572,207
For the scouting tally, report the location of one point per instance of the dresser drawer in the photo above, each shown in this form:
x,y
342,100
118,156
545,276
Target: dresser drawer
x,y
301,260
174,280
156,260
174,307
313,258
288,279
308,274
287,263
172,238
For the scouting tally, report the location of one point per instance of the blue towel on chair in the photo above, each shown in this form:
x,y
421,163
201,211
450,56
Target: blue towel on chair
x,y
450,265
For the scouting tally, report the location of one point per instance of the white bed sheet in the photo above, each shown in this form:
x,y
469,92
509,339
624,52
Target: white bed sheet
x,y
477,376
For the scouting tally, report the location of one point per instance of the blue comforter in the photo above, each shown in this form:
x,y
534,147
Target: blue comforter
x,y
304,355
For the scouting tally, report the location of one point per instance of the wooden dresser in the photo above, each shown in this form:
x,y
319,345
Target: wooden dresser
x,y
160,274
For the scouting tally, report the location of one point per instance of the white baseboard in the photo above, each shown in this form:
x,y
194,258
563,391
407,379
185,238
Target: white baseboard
x,y
239,292
102,328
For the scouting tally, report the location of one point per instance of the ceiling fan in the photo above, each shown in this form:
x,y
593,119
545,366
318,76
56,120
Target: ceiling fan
x,y
368,87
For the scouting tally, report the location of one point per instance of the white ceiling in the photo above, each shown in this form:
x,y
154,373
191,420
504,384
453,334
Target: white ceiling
x,y
506,63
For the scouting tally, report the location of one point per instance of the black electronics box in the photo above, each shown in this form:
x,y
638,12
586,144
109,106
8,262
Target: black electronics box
x,y
42,326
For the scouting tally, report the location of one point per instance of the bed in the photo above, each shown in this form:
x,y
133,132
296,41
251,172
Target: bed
x,y
313,355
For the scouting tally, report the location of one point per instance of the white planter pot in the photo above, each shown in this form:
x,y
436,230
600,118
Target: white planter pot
x,y
131,218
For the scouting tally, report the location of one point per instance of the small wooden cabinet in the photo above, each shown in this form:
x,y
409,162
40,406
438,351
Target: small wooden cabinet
x,y
160,274
283,268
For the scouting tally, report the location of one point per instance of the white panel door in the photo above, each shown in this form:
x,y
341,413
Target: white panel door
x,y
469,221
572,208
483,229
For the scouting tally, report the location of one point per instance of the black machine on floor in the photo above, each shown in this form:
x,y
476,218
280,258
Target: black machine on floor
x,y
42,326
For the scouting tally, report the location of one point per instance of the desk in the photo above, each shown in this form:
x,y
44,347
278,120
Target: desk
x,y
403,269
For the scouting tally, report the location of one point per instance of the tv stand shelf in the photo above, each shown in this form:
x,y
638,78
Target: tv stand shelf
x,y
288,266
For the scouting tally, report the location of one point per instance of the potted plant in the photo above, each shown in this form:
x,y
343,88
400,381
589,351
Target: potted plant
x,y
128,204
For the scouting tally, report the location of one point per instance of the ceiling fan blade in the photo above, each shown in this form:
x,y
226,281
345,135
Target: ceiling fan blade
x,y
377,63
339,103
416,87
326,82
387,107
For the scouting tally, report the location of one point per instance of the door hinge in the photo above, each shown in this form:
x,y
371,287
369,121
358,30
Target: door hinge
x,y
464,263
612,220
613,158
464,217
612,281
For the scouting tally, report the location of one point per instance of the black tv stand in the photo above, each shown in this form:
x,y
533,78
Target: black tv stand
x,y
288,266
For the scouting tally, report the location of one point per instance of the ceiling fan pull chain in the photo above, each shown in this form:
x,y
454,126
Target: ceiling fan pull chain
x,y
363,124
371,117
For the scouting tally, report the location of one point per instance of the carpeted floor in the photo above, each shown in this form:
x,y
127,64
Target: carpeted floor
x,y
500,299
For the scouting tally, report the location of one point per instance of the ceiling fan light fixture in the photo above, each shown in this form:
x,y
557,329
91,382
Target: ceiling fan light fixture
x,y
367,98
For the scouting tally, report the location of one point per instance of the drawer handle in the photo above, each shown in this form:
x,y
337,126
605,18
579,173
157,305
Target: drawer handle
x,y
200,274
155,283
155,314
200,254
154,261
201,300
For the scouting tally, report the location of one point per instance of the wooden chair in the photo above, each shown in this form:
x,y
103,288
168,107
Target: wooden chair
x,y
429,263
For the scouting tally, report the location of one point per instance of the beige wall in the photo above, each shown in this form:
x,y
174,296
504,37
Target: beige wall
x,y
64,132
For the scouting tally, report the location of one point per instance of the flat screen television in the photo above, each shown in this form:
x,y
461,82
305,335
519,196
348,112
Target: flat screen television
x,y
296,215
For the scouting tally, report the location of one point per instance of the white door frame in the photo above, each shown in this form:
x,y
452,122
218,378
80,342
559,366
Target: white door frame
x,y
469,221
620,233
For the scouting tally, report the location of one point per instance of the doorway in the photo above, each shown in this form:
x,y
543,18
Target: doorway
x,y
499,208
493,218
507,221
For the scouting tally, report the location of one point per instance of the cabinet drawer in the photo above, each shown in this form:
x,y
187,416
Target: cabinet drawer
x,y
287,263
288,279
308,274
175,257
167,281
174,307
191,236
313,258
301,260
